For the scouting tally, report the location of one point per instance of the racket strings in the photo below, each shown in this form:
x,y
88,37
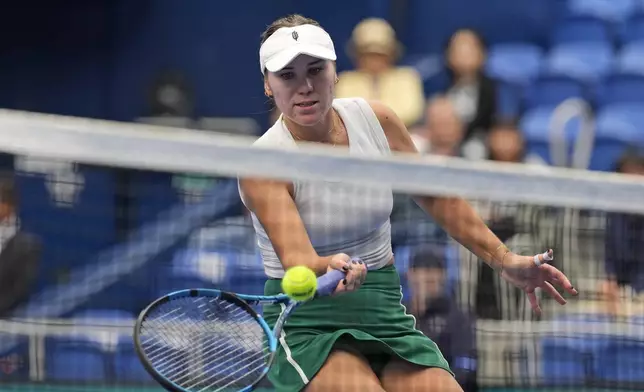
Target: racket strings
x,y
183,376
258,355
205,344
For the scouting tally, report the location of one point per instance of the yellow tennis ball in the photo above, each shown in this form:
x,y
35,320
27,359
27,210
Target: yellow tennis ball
x,y
299,283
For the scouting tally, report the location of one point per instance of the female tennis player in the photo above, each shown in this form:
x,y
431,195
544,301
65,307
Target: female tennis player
x,y
361,340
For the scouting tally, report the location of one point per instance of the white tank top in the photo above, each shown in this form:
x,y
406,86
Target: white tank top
x,y
339,217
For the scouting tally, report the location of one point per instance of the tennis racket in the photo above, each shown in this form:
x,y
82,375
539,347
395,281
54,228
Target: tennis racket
x,y
211,340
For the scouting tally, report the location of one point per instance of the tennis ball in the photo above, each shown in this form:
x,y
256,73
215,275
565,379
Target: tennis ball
x,y
299,283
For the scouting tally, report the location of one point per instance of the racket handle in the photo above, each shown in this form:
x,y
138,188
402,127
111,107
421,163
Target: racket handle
x,y
328,282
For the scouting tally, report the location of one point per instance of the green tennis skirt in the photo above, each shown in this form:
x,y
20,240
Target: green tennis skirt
x,y
371,320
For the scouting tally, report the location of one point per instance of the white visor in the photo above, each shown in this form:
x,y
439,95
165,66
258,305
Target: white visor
x,y
285,44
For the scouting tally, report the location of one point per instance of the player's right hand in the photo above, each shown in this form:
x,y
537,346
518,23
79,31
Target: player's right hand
x,y
355,270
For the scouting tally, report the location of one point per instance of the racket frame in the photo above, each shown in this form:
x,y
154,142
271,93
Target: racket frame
x,y
326,285
244,301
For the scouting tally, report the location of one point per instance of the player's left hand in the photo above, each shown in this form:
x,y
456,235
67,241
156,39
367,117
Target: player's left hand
x,y
530,272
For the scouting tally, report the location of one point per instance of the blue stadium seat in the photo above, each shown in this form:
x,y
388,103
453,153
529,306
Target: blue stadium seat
x,y
581,29
552,90
151,193
613,11
191,269
509,100
630,58
127,366
224,269
621,88
618,126
622,361
71,207
624,121
246,272
568,359
75,358
564,361
229,234
14,362
587,62
535,127
84,356
517,63
633,30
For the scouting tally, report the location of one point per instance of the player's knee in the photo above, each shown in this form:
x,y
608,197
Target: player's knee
x,y
345,371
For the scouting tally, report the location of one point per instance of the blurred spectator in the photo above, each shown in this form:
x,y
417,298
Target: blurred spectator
x,y
471,91
19,252
624,252
170,95
438,316
374,50
441,135
442,132
505,144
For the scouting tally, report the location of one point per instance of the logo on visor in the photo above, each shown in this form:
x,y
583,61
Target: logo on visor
x,y
295,35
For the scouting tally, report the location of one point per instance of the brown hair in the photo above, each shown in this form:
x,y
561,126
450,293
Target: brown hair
x,y
287,21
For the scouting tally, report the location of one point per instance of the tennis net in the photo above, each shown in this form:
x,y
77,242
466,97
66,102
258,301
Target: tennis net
x,y
127,212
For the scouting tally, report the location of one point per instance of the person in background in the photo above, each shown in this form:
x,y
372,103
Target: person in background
x,y
375,50
170,95
506,144
470,90
20,252
438,316
624,245
442,133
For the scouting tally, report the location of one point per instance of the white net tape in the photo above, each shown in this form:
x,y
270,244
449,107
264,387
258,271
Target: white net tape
x,y
180,150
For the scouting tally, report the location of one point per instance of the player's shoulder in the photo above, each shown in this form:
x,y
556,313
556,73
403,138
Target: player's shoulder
x,y
383,112
380,110
356,105
350,101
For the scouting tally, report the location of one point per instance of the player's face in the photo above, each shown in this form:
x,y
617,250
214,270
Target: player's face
x,y
303,90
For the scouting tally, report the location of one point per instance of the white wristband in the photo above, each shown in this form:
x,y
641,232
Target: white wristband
x,y
546,257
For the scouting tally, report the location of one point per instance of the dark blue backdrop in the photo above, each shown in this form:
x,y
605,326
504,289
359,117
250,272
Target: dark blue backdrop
x,y
97,58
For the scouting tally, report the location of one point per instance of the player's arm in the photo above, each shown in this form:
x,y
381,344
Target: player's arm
x,y
454,214
272,203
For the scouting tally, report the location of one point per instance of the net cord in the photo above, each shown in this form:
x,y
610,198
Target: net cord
x,y
146,147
